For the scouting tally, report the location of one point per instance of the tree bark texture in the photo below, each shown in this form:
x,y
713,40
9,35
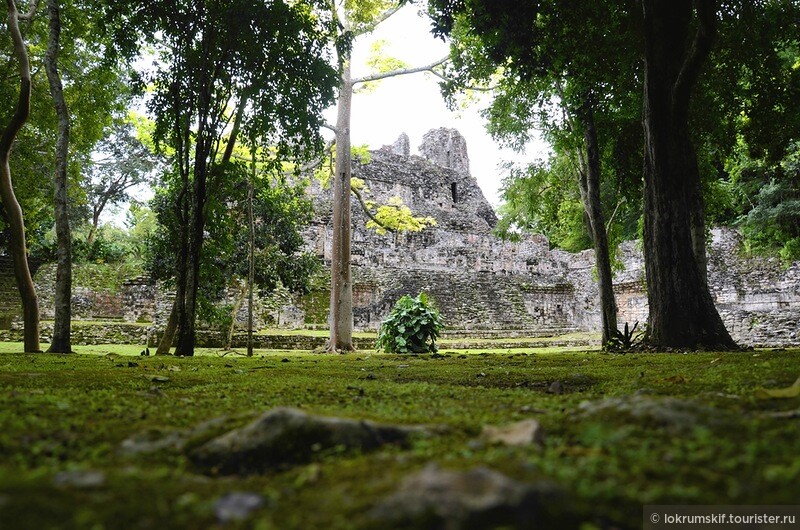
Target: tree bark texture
x,y
17,246
682,311
590,194
61,342
341,309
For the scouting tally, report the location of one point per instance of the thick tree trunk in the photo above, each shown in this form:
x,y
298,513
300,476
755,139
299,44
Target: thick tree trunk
x,y
590,194
17,246
341,310
682,311
186,335
63,290
196,226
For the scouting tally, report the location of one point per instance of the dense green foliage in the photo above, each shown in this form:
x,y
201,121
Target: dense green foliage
x,y
412,326
766,198
96,92
744,122
609,466
281,210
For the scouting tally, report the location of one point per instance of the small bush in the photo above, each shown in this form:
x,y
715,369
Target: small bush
x,y
625,340
412,327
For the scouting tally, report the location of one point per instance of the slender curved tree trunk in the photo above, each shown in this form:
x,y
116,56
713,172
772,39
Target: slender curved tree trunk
x,y
590,194
251,265
17,246
341,309
682,311
63,289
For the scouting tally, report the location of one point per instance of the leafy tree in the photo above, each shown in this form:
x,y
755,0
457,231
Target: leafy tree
x,y
767,198
121,162
749,124
275,75
354,18
676,42
279,208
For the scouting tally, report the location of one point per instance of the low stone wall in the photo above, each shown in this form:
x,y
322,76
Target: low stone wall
x,y
85,333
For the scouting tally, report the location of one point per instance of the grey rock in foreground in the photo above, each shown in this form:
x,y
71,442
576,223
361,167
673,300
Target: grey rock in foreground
x,y
475,499
677,416
286,436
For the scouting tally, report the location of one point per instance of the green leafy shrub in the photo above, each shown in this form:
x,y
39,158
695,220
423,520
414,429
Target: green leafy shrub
x,y
412,326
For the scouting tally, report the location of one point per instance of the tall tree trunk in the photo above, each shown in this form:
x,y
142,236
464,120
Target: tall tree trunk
x,y
170,329
341,310
251,268
17,246
590,194
682,311
63,289
187,327
196,226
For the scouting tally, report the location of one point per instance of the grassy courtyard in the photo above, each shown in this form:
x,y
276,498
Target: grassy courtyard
x,y
65,414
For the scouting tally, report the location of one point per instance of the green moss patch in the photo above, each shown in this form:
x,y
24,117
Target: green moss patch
x,y
71,413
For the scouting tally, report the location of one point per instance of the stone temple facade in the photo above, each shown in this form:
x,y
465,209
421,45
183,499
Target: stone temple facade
x,y
485,285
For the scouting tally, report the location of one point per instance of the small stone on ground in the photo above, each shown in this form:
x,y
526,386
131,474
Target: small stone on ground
x,y
475,499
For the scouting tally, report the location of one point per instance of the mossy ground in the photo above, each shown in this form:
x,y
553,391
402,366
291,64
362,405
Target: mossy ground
x,y
72,412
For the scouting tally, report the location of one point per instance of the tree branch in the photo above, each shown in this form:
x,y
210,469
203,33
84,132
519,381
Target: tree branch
x,y
369,213
464,87
370,27
29,15
614,214
699,52
401,71
23,103
329,127
237,123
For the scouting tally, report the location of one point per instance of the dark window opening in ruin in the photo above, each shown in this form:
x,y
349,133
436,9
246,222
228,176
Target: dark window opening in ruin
x,y
454,191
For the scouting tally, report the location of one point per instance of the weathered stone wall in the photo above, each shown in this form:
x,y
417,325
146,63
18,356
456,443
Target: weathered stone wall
x,y
85,332
133,301
758,298
479,281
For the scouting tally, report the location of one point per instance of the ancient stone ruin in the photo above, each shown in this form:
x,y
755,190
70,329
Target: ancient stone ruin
x,y
483,285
